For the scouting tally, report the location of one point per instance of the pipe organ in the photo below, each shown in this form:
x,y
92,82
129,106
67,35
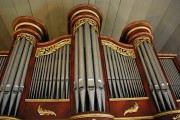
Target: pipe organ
x,y
84,75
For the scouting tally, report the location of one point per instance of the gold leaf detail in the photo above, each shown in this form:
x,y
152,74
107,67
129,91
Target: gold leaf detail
x,y
132,109
52,48
140,40
28,37
121,50
176,118
83,21
45,112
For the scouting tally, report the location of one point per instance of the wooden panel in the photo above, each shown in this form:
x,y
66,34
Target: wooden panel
x,y
111,16
167,25
156,11
22,7
173,42
8,13
122,17
92,2
139,10
5,38
40,10
103,5
55,11
77,2
67,6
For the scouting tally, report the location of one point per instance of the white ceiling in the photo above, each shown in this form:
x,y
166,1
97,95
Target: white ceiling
x,y
164,15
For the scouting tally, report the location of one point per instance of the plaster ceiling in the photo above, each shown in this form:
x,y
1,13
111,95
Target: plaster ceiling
x,y
164,16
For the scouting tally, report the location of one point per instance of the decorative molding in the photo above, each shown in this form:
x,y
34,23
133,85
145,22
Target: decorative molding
x,y
122,99
166,113
90,115
137,28
8,118
45,112
28,37
121,50
47,100
83,21
177,117
28,23
85,10
52,48
132,109
136,118
140,40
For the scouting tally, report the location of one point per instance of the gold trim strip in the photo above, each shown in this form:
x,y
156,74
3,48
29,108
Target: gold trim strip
x,y
47,100
166,113
8,118
91,115
167,54
165,57
28,23
135,118
52,48
28,37
140,40
136,28
122,99
3,55
121,50
79,11
178,100
83,21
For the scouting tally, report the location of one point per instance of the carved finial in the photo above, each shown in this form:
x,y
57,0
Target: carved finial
x,y
132,109
45,112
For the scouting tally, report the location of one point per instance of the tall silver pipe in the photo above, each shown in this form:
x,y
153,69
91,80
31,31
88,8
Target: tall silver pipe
x,y
12,76
153,76
40,89
18,77
76,74
67,72
82,82
58,90
151,86
89,66
160,76
98,80
8,69
108,71
33,77
21,86
63,74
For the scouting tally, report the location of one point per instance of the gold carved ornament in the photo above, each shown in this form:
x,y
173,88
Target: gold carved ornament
x,y
83,21
52,48
28,37
132,109
42,111
140,40
176,118
121,50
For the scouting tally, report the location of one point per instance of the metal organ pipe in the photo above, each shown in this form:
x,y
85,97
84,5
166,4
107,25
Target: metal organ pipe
x,y
88,70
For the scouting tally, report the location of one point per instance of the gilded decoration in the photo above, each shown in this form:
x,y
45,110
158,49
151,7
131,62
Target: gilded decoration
x,y
52,48
83,21
28,37
176,118
140,40
42,111
132,109
121,50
